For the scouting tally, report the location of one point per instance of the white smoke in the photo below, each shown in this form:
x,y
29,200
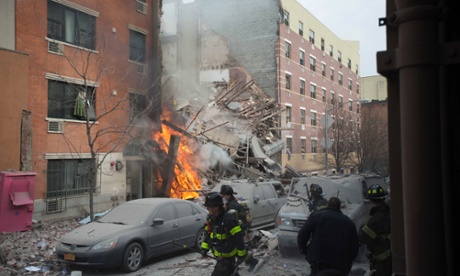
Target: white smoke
x,y
210,155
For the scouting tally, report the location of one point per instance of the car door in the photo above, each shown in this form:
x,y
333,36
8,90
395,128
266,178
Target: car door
x,y
258,209
190,222
161,237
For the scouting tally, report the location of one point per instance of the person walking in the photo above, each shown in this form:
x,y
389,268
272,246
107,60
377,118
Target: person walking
x,y
329,240
318,201
224,238
376,233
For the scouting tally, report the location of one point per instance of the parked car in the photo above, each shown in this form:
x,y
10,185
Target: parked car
x,y
134,232
351,190
263,197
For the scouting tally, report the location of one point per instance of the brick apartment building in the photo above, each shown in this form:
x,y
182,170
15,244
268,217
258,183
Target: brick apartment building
x,y
289,53
53,52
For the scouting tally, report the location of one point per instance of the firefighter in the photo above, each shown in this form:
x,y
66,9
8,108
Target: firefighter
x,y
224,239
376,233
231,203
318,201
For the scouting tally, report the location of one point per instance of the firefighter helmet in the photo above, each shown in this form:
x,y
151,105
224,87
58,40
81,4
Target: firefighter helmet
x,y
316,190
226,190
376,192
213,199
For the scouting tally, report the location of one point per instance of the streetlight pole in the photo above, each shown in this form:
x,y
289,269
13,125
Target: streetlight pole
x,y
326,149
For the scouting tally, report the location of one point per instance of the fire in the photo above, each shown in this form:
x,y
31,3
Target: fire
x,y
186,177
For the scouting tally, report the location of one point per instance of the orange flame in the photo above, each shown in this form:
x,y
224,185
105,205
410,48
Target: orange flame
x,y
186,177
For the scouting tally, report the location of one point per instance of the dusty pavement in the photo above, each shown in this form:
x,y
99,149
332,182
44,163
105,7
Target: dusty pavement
x,y
32,253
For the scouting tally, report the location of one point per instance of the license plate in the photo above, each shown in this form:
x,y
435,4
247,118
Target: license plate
x,y
69,257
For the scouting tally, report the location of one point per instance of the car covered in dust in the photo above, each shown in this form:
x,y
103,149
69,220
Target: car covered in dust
x,y
134,232
264,198
351,190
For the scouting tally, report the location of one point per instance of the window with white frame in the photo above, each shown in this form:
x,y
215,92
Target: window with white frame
x,y
349,63
340,101
311,37
71,26
340,78
67,177
288,49
314,146
323,69
322,44
332,74
302,116
350,84
357,88
302,87
323,94
289,145
71,101
332,98
302,57
356,69
339,56
303,145
286,18
313,118
288,113
312,63
300,28
312,90
331,50
288,81
350,105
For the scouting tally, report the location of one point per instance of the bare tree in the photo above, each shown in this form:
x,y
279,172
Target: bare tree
x,y
372,136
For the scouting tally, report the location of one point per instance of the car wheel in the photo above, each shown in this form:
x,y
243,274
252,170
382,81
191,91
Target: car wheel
x,y
200,238
133,257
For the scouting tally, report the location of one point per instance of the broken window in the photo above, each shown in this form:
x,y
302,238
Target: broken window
x,y
71,26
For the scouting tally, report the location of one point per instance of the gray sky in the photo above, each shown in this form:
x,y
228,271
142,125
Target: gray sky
x,y
354,20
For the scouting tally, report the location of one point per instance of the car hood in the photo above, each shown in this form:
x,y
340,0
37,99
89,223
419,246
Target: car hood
x,y
94,232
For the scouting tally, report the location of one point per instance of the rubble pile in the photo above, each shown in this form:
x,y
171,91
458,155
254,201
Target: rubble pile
x,y
29,252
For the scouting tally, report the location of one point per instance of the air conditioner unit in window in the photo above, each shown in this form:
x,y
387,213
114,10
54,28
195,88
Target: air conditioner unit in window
x,y
142,68
141,7
55,126
55,47
54,205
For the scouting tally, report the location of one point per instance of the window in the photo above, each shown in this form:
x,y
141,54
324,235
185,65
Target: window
x,y
286,18
71,26
322,44
288,81
288,114
303,145
312,63
166,212
331,50
356,69
70,101
288,49
300,28
323,69
339,56
357,108
141,6
302,87
332,74
313,91
137,46
323,95
66,177
311,37
349,64
350,105
350,84
302,116
340,78
313,118
288,145
332,98
314,146
340,101
138,105
357,88
302,57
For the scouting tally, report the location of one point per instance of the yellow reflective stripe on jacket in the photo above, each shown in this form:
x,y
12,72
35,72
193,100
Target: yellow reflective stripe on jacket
x,y
218,236
383,256
204,245
224,255
242,253
235,230
369,232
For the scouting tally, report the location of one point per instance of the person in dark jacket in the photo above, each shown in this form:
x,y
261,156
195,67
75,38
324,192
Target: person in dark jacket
x,y
329,240
318,201
224,239
376,233
227,194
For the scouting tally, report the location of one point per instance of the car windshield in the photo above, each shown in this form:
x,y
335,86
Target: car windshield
x,y
130,214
